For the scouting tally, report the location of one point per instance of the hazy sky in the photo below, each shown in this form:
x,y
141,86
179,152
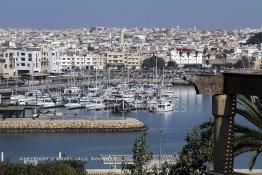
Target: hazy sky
x,y
205,14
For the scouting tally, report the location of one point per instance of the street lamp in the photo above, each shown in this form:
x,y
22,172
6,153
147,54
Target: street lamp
x,y
161,131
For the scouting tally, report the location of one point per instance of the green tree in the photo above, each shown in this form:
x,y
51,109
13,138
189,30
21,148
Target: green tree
x,y
256,39
239,64
172,64
54,168
79,166
197,155
153,61
249,139
141,156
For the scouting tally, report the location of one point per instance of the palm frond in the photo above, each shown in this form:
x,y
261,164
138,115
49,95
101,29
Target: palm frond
x,y
239,129
253,159
246,139
241,150
251,111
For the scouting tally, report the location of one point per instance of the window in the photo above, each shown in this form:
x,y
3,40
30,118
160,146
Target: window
x,y
17,64
23,54
28,65
29,55
29,59
5,66
22,59
22,64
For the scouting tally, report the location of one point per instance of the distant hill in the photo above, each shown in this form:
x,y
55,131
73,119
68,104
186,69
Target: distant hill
x,y
256,39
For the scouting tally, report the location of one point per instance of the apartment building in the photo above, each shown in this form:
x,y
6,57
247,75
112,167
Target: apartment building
x,y
72,59
115,59
187,56
6,63
99,60
27,60
54,61
44,60
130,60
133,61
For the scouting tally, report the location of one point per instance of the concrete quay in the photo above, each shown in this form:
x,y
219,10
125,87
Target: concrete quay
x,y
27,125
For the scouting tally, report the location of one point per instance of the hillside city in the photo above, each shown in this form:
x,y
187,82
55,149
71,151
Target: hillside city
x,y
46,51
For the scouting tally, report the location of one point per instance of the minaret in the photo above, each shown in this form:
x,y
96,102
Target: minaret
x,y
110,39
121,39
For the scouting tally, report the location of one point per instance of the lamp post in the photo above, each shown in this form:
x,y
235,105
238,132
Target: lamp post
x,y
161,131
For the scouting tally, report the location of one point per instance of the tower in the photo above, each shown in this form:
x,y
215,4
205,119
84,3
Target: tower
x,y
121,39
110,38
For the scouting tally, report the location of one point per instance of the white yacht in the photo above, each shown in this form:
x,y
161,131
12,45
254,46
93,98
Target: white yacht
x,y
96,104
72,104
85,101
18,100
74,91
164,105
151,103
46,103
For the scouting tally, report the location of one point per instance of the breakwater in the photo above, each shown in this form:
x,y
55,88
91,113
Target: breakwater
x,y
70,125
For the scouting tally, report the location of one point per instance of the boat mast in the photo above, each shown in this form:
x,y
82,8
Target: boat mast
x,y
156,70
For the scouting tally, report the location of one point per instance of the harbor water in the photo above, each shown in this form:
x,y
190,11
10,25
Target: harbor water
x,y
190,110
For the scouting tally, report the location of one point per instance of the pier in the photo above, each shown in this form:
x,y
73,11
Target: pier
x,y
28,125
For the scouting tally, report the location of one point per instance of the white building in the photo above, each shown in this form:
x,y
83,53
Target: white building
x,y
187,56
27,60
54,61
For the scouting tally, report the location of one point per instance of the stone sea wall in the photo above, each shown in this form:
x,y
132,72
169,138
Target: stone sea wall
x,y
40,125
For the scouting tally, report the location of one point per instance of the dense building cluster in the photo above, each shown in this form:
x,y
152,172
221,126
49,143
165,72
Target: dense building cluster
x,y
27,51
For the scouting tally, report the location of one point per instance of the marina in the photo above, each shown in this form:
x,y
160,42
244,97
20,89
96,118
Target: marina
x,y
190,110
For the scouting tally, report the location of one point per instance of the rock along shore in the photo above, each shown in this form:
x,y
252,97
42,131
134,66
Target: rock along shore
x,y
71,125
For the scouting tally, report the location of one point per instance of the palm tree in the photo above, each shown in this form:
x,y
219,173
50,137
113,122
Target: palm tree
x,y
188,54
249,139
196,53
180,54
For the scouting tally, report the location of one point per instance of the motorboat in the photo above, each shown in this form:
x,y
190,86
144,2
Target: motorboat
x,y
164,105
72,103
96,104
18,100
72,91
